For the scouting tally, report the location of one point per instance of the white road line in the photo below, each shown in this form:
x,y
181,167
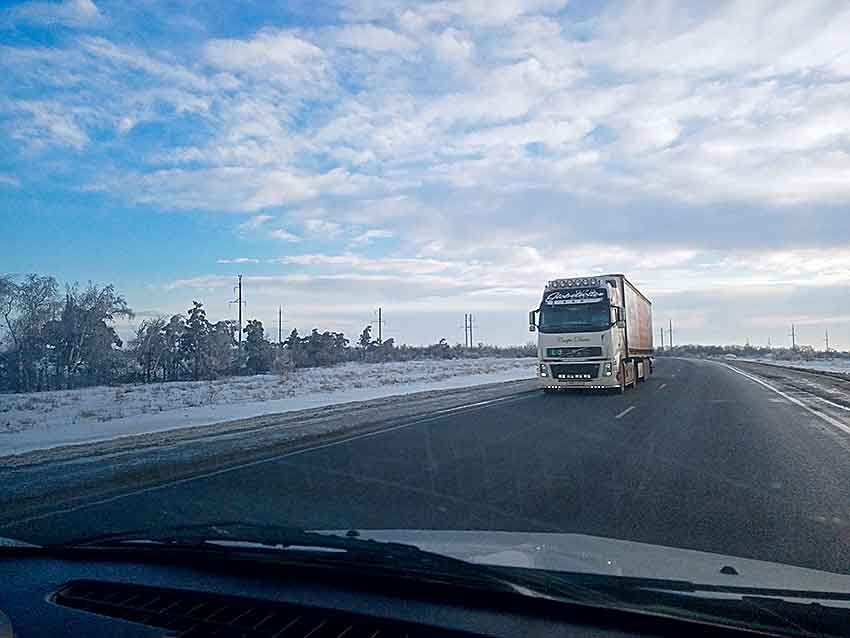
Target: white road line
x,y
662,386
625,412
233,468
824,417
835,405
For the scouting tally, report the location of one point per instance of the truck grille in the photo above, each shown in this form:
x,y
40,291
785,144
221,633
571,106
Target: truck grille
x,y
575,370
564,353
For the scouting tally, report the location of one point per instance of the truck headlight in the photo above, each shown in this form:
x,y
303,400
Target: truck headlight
x,y
608,368
543,371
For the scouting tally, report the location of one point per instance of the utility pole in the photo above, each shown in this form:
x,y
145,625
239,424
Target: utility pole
x,y
768,343
466,330
471,342
793,338
279,325
662,337
239,301
670,334
826,339
380,325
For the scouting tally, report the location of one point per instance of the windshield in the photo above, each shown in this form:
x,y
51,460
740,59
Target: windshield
x,y
383,266
578,310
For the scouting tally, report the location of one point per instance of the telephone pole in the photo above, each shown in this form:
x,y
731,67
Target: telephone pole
x,y
279,325
826,339
670,334
471,342
793,338
380,325
662,337
466,330
239,301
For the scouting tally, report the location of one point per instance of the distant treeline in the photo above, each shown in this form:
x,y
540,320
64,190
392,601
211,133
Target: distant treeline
x,y
51,340
804,352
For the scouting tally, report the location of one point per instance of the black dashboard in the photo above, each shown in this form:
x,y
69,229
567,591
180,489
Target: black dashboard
x,y
65,596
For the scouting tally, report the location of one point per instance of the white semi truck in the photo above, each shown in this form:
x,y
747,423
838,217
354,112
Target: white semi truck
x,y
594,332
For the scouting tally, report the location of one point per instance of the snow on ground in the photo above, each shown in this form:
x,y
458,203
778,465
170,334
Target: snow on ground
x,y
43,420
840,366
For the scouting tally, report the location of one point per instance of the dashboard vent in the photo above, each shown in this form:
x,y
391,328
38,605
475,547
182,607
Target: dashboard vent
x,y
191,614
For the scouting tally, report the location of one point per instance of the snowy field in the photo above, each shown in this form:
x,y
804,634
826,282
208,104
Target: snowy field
x,y
839,366
44,420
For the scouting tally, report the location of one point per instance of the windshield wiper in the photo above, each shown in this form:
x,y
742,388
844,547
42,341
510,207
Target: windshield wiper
x,y
786,612
294,545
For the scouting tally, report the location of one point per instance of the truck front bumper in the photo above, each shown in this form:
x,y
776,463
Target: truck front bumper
x,y
586,374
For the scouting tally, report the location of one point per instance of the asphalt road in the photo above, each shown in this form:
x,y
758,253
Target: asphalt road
x,y
699,456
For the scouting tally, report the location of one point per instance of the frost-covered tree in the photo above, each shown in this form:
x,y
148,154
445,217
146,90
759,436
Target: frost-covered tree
x,y
257,348
83,339
150,347
26,308
195,341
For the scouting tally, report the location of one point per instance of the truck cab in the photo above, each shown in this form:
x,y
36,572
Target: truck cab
x,y
584,334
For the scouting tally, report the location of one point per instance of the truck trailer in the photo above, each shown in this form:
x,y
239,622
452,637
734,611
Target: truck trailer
x,y
593,332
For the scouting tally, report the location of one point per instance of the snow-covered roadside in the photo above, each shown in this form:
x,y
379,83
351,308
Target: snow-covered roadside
x,y
838,366
49,419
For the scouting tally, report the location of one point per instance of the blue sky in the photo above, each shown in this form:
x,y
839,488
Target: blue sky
x,y
435,158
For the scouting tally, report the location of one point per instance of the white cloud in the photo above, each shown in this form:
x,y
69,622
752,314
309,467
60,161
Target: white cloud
x,y
256,222
238,260
371,38
487,12
322,227
270,51
454,46
72,13
283,235
370,235
9,180
48,124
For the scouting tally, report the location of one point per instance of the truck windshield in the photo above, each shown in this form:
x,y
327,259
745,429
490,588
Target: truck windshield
x,y
568,312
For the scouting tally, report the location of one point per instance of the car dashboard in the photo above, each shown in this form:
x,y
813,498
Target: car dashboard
x,y
114,596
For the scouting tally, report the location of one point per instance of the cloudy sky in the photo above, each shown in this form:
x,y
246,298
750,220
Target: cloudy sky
x,y
435,158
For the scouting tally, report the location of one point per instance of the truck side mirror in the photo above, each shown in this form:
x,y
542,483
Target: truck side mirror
x,y
532,321
618,319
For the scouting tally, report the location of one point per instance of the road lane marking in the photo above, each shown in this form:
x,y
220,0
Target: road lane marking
x,y
824,417
662,386
234,468
835,405
625,412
